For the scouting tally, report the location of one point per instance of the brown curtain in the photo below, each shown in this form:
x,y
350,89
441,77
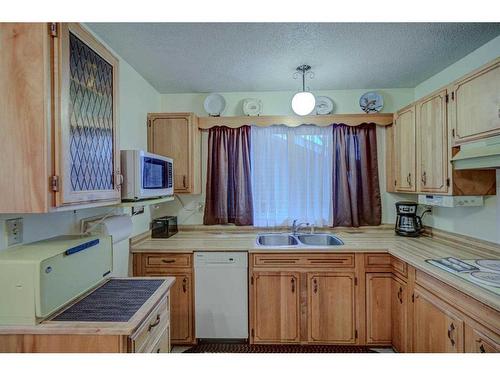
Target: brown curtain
x,y
229,187
356,192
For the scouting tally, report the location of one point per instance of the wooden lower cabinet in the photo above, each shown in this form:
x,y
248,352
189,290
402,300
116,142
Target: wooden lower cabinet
x,y
331,307
178,265
436,327
276,307
477,341
399,315
378,308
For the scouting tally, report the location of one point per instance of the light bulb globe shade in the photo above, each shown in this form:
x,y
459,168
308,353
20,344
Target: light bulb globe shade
x,y
303,103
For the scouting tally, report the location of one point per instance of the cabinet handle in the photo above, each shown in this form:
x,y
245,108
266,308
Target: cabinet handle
x,y
293,284
184,181
315,282
424,178
158,350
482,349
400,295
184,285
152,325
451,328
168,260
408,179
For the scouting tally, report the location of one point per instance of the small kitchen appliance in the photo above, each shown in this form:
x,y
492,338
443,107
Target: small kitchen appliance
x,y
408,223
164,227
38,279
146,175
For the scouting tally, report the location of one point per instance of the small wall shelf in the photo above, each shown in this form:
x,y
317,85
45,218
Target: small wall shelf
x,y
145,202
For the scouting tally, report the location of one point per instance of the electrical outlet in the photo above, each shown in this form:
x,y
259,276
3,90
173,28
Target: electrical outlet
x,y
14,229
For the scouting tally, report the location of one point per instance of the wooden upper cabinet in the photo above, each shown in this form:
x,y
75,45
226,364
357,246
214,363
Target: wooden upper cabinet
x,y
331,307
432,144
404,150
436,327
87,153
276,307
176,135
58,114
475,102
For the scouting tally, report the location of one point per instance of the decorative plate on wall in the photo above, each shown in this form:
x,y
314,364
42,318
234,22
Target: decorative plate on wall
x,y
214,104
371,102
252,107
324,105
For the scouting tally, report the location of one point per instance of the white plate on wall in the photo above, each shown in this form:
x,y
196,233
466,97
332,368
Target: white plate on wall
x,y
252,107
371,102
214,104
324,105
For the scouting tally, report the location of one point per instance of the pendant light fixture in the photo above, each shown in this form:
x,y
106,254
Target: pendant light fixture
x,y
303,102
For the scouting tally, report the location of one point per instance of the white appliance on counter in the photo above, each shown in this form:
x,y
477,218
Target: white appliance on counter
x,y
146,175
39,278
221,295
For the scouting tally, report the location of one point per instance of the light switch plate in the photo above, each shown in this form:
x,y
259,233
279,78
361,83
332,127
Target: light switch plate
x,y
14,230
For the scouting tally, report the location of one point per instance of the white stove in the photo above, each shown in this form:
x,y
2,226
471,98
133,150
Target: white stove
x,y
482,272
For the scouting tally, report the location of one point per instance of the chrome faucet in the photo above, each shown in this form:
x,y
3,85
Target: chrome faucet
x,y
296,227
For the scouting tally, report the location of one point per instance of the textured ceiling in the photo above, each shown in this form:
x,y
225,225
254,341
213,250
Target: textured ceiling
x,y
207,57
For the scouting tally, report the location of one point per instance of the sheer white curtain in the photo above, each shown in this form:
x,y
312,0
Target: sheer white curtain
x,y
292,175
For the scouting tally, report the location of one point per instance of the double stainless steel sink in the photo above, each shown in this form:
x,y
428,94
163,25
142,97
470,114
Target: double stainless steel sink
x,y
298,240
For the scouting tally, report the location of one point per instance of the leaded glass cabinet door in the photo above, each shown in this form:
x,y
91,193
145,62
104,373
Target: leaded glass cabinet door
x,y
87,151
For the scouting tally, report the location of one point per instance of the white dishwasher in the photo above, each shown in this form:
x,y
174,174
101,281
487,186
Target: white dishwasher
x,y
221,295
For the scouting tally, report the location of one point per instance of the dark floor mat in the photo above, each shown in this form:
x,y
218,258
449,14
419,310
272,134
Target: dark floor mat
x,y
247,348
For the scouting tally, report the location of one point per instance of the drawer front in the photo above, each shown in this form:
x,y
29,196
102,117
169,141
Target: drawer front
x,y
399,267
377,260
304,260
161,345
167,260
153,326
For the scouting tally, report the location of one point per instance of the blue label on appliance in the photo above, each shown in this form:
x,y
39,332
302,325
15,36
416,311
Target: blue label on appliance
x,y
81,247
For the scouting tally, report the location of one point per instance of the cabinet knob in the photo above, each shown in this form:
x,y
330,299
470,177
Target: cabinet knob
x,y
184,285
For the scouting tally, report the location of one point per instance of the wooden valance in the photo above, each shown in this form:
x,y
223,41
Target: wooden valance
x,y
381,119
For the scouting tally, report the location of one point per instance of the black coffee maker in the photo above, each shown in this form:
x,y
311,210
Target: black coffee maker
x,y
408,223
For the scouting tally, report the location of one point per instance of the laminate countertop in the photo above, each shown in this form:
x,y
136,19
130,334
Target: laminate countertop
x,y
414,251
66,321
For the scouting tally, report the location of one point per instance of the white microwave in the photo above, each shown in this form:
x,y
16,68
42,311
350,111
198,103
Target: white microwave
x,y
146,175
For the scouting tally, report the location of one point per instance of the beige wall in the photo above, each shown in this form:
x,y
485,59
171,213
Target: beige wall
x,y
137,98
278,103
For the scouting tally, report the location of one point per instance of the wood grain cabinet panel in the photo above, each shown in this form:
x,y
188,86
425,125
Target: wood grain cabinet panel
x,y
478,341
58,116
177,136
475,104
404,150
432,144
436,327
378,308
276,307
331,307
399,315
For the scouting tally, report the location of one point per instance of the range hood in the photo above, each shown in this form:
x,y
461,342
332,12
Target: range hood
x,y
484,154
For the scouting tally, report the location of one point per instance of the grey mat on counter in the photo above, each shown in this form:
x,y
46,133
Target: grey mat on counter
x,y
115,301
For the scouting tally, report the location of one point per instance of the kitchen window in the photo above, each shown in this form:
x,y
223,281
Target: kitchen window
x,y
291,175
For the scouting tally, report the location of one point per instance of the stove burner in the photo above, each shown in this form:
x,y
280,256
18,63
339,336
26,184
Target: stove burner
x,y
491,264
488,278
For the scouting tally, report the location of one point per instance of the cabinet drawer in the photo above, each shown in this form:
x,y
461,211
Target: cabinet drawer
x,y
377,260
307,260
399,267
167,260
154,325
